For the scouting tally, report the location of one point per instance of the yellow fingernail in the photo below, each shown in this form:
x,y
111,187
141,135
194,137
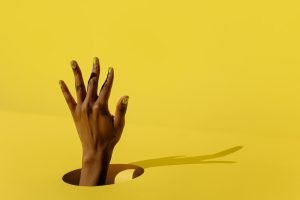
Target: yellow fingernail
x,y
60,82
73,64
110,70
125,100
96,60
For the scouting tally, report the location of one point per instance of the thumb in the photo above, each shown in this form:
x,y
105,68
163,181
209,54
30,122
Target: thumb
x,y
119,121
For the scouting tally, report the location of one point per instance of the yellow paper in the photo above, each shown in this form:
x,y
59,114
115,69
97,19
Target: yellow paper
x,y
203,77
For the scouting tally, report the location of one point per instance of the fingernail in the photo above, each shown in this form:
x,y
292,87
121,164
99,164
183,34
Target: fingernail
x,y
125,100
73,64
110,70
96,60
60,82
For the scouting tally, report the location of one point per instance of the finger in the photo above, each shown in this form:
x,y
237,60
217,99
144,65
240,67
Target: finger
x,y
106,88
95,73
79,84
121,109
69,98
91,89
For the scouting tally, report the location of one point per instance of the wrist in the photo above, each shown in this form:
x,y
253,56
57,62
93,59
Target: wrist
x,y
95,164
91,170
91,156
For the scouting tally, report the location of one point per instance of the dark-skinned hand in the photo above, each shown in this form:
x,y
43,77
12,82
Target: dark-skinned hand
x,y
98,130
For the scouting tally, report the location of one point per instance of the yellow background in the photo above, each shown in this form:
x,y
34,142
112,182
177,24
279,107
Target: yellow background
x,y
202,76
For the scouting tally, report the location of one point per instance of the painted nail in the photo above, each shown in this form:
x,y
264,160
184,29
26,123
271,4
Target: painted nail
x,y
96,60
60,83
73,64
110,70
125,100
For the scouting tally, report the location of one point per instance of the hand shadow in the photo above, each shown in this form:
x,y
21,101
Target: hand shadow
x,y
137,168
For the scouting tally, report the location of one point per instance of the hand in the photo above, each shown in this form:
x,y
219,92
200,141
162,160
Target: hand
x,y
98,130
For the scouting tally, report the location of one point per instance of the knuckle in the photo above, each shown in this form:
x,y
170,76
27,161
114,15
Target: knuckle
x,y
79,87
96,107
103,110
103,107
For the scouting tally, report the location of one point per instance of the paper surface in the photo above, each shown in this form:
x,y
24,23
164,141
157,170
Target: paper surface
x,y
203,77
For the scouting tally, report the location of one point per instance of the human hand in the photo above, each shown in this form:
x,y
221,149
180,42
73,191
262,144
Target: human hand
x,y
98,130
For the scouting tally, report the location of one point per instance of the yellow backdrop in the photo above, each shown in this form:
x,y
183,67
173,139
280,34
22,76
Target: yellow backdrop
x,y
202,76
